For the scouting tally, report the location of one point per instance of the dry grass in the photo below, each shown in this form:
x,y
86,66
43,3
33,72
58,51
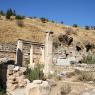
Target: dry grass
x,y
85,75
64,89
34,30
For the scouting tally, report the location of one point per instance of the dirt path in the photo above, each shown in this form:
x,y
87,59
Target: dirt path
x,y
76,88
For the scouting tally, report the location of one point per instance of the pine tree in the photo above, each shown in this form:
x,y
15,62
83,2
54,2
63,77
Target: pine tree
x,y
14,13
2,13
9,13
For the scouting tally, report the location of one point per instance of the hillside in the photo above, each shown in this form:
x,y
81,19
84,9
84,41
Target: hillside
x,y
34,29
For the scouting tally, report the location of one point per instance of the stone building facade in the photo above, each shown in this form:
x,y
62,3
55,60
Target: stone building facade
x,y
7,51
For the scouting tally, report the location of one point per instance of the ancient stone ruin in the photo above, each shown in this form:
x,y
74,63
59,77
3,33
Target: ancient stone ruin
x,y
27,54
15,58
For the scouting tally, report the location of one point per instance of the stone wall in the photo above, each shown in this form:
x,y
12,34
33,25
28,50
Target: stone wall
x,y
12,77
8,51
36,53
68,54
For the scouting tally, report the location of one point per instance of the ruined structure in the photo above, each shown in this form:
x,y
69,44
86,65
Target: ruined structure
x,y
48,53
19,53
7,52
35,53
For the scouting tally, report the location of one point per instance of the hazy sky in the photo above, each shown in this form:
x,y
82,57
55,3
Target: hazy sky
x,y
81,12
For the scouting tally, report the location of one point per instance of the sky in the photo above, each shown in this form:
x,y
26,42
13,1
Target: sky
x,y
81,12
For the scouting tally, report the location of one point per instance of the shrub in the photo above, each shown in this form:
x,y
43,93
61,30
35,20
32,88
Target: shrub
x,y
64,89
31,17
89,59
35,74
75,25
44,20
93,27
55,44
72,62
70,74
20,23
86,76
87,27
53,21
18,17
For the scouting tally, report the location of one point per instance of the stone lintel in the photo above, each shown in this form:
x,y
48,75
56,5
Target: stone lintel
x,y
50,32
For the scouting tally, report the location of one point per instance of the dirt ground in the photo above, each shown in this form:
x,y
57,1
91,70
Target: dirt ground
x,y
77,88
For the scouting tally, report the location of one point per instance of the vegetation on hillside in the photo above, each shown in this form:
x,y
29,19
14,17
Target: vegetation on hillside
x,y
34,27
89,59
35,74
10,13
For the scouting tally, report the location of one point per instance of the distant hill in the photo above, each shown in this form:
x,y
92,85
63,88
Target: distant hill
x,y
33,29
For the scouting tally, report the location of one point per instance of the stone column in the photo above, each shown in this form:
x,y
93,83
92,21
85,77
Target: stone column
x,y
19,53
43,55
31,57
48,53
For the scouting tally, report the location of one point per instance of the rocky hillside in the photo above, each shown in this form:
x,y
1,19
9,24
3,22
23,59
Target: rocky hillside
x,y
33,29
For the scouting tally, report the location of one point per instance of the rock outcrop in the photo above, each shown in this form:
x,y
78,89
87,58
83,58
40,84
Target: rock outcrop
x,y
15,78
38,87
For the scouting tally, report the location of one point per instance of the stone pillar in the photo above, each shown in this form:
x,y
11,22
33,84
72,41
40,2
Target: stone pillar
x,y
31,57
19,53
43,55
48,53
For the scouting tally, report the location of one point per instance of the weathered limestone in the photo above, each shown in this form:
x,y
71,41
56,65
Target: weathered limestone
x,y
43,55
48,53
12,77
31,57
19,53
38,87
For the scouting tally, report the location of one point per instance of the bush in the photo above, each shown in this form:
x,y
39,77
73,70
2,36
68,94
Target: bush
x,y
56,44
87,27
44,20
20,23
53,21
18,17
35,74
86,76
89,59
93,27
72,62
64,89
75,25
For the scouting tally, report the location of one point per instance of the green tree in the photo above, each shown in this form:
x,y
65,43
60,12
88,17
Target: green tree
x,y
2,13
75,25
44,20
87,27
18,17
10,13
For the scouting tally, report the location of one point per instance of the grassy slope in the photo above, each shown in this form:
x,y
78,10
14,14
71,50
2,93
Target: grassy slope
x,y
34,30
